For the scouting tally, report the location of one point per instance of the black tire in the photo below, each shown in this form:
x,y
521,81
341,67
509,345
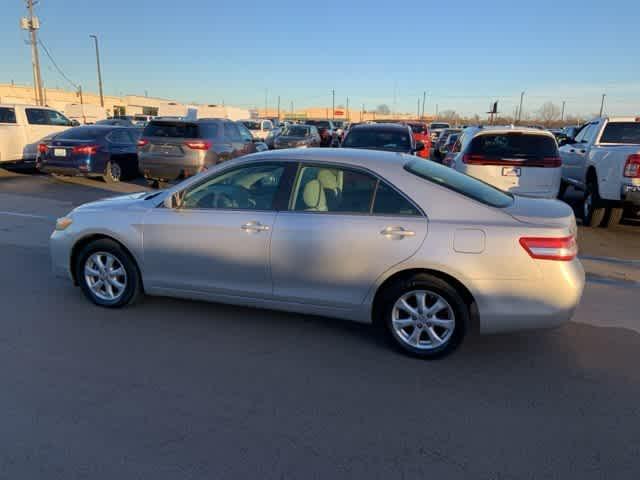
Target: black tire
x,y
427,283
593,211
113,172
133,287
563,190
614,217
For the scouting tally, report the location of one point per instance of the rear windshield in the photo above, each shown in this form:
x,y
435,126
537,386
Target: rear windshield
x,y
621,133
172,129
252,125
7,115
82,133
296,132
319,123
459,182
439,125
513,145
378,139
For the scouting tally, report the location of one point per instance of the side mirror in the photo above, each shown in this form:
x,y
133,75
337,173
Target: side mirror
x,y
74,123
419,146
566,141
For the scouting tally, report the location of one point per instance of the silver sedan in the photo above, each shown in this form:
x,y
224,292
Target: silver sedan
x,y
369,236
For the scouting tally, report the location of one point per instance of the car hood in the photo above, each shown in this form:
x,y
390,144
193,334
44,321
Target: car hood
x,y
120,202
540,211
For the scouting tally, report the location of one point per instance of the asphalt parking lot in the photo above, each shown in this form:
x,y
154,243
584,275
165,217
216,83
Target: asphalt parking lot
x,y
180,389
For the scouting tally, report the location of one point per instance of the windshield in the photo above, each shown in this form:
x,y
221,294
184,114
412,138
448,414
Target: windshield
x,y
439,125
623,133
459,182
378,139
296,132
417,127
252,125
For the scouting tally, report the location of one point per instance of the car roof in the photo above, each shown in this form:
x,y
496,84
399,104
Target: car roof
x,y
381,126
508,129
371,159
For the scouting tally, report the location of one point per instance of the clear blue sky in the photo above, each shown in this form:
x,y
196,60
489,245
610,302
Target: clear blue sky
x,y
465,53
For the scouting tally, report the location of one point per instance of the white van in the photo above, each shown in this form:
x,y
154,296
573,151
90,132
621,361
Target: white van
x,y
520,160
23,126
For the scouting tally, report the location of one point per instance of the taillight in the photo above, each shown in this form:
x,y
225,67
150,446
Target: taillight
x,y
632,167
543,248
85,149
198,144
42,148
142,142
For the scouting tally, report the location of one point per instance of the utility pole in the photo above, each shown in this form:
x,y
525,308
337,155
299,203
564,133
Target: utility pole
x,y
84,118
602,104
291,107
266,90
347,116
278,108
520,108
95,39
32,24
362,113
424,97
333,105
562,114
436,110
418,114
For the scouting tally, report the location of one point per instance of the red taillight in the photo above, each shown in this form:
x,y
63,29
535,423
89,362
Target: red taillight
x,y
142,142
543,248
632,167
545,162
198,144
42,148
85,149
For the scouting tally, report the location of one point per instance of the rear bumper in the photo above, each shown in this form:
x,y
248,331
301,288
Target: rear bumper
x,y
168,169
71,171
547,302
631,194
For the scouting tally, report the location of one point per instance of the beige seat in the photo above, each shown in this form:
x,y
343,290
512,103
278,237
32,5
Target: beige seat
x,y
331,181
314,197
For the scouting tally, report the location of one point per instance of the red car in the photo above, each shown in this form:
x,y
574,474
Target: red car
x,y
421,134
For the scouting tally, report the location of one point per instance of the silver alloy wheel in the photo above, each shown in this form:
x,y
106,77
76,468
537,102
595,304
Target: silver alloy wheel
x,y
423,319
115,171
105,276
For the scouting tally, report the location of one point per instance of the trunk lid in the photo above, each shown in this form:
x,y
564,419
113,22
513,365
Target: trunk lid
x,y
543,212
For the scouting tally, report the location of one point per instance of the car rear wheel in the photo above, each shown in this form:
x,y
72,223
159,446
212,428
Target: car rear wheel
x,y
614,217
112,172
107,274
593,211
425,316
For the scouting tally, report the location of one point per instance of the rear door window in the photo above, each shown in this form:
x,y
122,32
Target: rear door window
x,y
621,133
513,145
172,130
231,132
7,115
388,201
209,130
43,116
121,137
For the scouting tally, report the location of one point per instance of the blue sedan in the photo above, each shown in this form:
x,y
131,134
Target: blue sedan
x,y
93,151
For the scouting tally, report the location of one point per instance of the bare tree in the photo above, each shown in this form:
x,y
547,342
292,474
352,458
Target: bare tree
x,y
449,116
549,112
383,109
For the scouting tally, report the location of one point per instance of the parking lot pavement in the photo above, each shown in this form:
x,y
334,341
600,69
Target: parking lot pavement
x,y
178,389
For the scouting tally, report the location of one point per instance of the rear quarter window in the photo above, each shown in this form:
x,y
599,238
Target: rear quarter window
x,y
7,115
621,133
172,130
460,183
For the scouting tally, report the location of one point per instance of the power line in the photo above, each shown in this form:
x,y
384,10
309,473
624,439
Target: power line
x,y
46,51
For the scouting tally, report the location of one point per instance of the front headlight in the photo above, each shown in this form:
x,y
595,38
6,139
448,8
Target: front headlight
x,y
63,223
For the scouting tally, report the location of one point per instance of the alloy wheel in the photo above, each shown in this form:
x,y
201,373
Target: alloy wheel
x,y
105,276
423,319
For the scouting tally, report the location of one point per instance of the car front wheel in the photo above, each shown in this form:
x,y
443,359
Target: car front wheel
x,y
593,211
425,316
107,274
112,172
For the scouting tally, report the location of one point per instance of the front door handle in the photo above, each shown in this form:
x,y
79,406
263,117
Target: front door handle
x,y
254,226
397,232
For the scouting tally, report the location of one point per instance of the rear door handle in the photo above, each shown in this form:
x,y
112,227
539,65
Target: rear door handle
x,y
399,232
254,226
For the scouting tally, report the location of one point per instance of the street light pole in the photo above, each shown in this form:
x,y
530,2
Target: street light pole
x,y
424,97
520,109
32,24
562,114
95,39
602,104
333,104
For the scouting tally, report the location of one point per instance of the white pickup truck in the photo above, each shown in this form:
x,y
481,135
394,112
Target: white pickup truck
x,y
21,129
603,160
